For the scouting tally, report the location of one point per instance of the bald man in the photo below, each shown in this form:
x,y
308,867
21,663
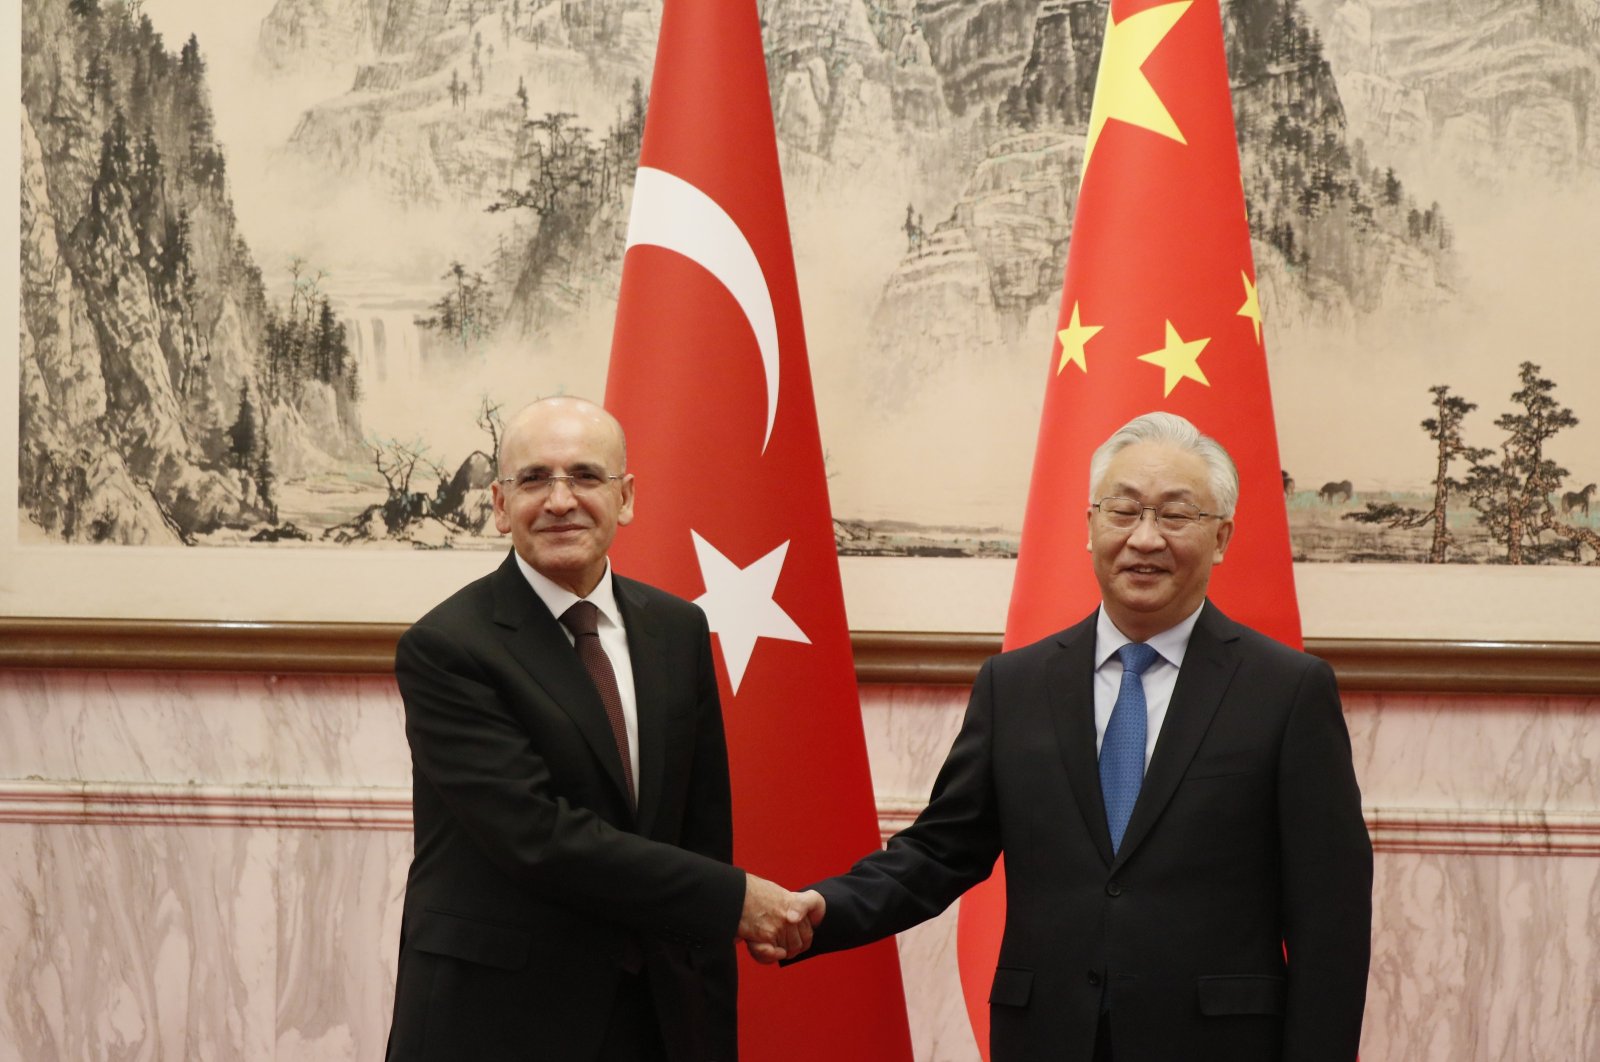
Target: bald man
x,y
571,896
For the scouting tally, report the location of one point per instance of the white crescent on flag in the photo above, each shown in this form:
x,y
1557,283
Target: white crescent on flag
x,y
671,213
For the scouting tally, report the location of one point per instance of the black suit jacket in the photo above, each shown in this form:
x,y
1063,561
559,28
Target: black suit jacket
x,y
1247,837
534,884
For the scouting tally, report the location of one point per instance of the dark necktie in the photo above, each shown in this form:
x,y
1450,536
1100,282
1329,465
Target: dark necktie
x,y
583,620
1122,748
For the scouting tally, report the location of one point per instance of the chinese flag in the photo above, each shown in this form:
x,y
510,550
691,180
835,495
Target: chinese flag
x,y
709,377
1158,311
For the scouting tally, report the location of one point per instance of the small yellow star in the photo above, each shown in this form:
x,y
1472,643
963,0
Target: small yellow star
x,y
1074,338
1181,360
1252,305
1121,89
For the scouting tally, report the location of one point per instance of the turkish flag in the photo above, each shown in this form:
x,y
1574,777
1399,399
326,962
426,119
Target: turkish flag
x,y
1158,311
709,378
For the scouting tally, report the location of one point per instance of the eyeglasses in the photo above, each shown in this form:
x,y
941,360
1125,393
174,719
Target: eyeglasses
x,y
1173,517
536,483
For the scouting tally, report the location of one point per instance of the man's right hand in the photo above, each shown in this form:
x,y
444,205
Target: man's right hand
x,y
780,922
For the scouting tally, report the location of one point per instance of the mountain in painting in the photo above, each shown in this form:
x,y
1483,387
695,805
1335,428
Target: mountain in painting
x,y
163,397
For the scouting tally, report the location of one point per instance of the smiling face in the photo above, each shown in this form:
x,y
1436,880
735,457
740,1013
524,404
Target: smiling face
x,y
562,534
1151,580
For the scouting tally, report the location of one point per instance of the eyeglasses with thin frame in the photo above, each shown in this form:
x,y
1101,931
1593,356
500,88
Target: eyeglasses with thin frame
x,y
537,483
1173,517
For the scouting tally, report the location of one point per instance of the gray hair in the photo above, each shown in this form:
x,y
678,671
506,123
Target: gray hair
x,y
1169,429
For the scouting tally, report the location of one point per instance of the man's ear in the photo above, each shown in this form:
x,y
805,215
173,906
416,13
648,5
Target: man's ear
x,y
1224,536
625,514
502,519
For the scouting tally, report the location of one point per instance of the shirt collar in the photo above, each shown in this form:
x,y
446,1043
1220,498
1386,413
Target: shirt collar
x,y
558,598
1170,644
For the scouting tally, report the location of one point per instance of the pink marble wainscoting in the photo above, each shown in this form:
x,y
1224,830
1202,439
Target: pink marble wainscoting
x,y
199,866
909,730
1485,815
151,941
189,728
211,866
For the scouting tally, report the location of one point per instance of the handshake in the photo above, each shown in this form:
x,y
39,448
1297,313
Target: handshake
x,y
776,923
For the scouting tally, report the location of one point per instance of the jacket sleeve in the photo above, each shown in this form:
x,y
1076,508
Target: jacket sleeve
x,y
1327,877
926,867
467,745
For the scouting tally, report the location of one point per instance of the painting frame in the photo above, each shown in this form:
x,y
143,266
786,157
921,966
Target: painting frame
x,y
230,608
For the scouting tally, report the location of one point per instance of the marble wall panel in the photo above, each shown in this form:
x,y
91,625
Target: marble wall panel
x,y
940,1030
337,900
909,730
138,943
1487,894
1484,957
211,866
168,727
148,942
1459,751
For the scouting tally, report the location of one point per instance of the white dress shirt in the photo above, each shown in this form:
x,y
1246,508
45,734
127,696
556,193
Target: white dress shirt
x,y
1159,678
613,639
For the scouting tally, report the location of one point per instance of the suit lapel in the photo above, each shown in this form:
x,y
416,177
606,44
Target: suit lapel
x,y
651,674
1071,692
1208,666
535,640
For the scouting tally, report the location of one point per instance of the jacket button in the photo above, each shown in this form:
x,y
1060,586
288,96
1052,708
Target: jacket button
x,y
1094,978
1113,889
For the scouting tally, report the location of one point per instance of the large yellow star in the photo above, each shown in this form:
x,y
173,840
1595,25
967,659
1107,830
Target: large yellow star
x,y
1121,89
1074,338
1180,360
1252,305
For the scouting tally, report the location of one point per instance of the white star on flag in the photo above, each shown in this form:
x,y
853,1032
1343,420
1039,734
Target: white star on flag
x,y
739,605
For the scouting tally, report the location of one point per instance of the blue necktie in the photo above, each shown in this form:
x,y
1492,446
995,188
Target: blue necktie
x,y
1122,748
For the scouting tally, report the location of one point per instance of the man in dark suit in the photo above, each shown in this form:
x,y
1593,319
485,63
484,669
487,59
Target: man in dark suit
x,y
570,897
1174,815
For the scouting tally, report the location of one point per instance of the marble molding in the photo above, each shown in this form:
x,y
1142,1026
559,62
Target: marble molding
x,y
211,866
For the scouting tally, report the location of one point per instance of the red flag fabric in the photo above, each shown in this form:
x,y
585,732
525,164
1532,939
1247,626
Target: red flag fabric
x,y
710,379
1158,311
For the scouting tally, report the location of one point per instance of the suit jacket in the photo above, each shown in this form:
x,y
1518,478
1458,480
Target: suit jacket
x,y
534,884
1247,838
